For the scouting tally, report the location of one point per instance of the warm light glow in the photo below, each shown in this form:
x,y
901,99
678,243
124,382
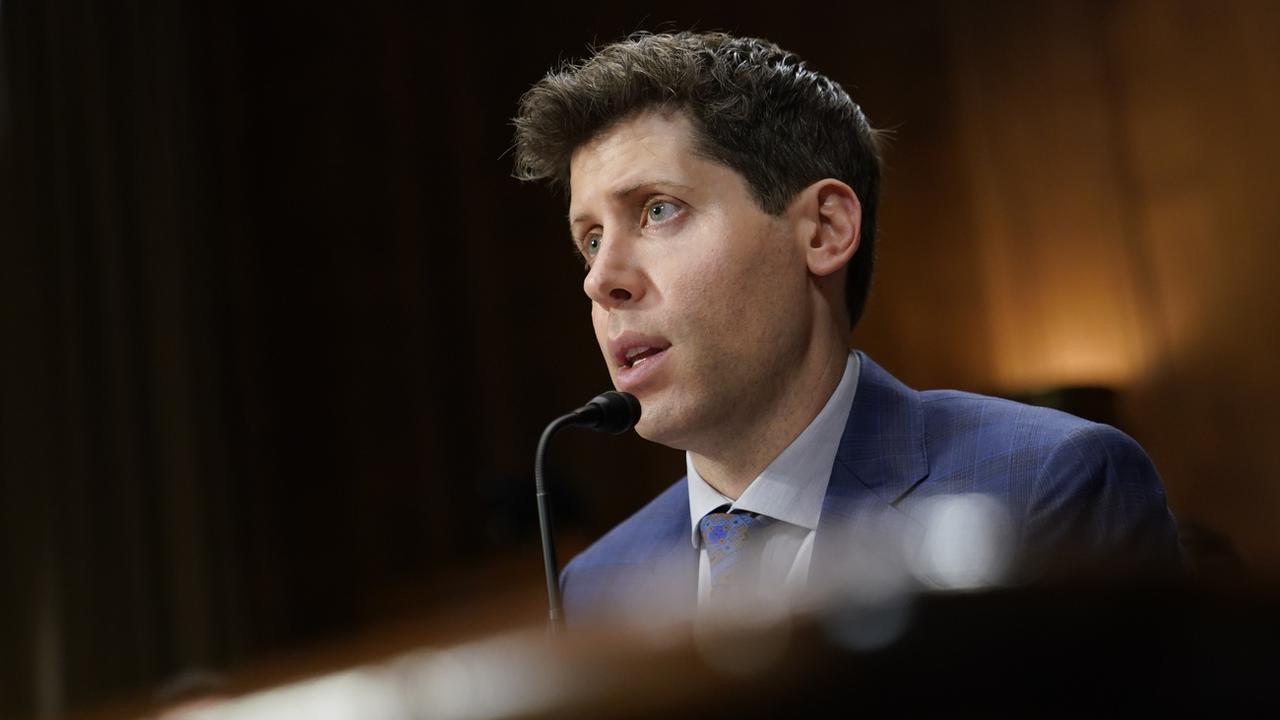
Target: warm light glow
x,y
1070,360
1069,318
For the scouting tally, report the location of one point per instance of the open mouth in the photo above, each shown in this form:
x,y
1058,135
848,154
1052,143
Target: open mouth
x,y
639,359
639,355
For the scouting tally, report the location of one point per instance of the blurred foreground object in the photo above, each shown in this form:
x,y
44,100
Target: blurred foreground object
x,y
188,691
1061,649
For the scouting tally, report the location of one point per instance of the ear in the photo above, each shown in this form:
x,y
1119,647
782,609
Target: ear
x,y
836,225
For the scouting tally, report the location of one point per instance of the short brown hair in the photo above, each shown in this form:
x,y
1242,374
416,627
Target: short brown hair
x,y
755,107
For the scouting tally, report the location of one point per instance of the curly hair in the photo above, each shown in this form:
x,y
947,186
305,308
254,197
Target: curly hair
x,y
755,108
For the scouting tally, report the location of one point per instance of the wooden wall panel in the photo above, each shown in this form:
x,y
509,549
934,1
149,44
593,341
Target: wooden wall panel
x,y
1200,111
1120,163
1049,204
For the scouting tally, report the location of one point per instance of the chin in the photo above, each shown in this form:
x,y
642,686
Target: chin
x,y
649,428
663,425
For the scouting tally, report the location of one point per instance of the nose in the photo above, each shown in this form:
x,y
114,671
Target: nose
x,y
615,278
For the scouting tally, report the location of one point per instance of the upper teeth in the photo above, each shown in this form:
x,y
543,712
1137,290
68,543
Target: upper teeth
x,y
633,352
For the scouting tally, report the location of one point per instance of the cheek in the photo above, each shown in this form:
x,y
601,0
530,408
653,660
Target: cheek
x,y
600,323
757,274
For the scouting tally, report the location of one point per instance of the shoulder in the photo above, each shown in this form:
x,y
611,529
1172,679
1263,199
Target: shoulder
x,y
635,569
952,413
1042,446
646,531
1067,482
977,443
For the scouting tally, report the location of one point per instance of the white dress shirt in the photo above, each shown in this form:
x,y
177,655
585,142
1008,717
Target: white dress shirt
x,y
790,490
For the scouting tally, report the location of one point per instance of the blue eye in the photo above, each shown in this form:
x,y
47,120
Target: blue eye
x,y
592,245
661,211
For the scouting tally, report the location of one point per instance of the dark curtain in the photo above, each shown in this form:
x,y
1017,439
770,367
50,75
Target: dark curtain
x,y
272,361
119,309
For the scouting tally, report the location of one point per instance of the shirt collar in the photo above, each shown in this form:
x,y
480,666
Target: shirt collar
x,y
793,486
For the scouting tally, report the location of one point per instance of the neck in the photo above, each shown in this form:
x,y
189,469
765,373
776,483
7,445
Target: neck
x,y
730,462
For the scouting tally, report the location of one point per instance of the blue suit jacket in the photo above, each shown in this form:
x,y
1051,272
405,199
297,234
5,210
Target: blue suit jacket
x,y
1066,482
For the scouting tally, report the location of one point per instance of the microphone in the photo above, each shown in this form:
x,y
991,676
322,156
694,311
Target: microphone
x,y
612,412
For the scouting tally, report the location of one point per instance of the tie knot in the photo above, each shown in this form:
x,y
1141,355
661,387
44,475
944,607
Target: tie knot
x,y
729,531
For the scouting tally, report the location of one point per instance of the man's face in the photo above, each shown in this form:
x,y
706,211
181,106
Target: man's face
x,y
700,299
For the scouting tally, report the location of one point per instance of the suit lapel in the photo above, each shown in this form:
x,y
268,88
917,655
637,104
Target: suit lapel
x,y
678,559
881,457
665,577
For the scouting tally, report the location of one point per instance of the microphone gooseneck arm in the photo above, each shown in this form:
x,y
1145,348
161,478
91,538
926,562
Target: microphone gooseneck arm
x,y
612,412
555,606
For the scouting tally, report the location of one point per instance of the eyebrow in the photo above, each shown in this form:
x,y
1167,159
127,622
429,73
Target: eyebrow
x,y
627,191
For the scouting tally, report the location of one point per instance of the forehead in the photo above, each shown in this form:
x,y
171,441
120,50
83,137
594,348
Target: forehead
x,y
649,147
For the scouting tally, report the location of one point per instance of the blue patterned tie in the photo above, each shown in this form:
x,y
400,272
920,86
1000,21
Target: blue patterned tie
x,y
734,556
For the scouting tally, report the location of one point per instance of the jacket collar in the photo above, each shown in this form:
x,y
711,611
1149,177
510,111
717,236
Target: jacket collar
x,y
882,456
881,459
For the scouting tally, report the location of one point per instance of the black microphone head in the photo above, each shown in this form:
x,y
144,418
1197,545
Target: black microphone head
x,y
613,412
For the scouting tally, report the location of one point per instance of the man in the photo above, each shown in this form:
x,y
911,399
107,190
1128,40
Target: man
x,y
723,197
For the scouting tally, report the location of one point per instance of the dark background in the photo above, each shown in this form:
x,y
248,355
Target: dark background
x,y
280,331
